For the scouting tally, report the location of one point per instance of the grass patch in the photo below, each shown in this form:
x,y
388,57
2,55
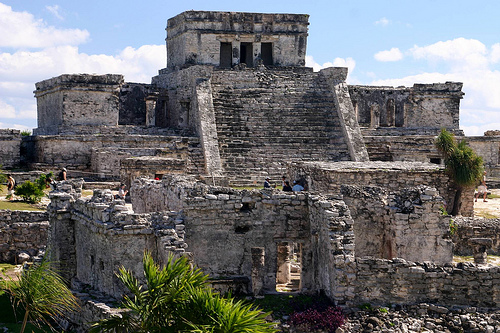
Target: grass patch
x,y
494,260
493,196
247,187
486,215
87,193
18,205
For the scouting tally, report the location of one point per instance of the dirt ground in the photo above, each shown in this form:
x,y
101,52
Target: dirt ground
x,y
489,209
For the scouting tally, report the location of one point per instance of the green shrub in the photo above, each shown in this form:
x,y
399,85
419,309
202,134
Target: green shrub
x,y
33,192
26,133
29,192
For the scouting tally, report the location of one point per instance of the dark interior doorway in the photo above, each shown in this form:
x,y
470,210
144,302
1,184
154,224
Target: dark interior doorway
x,y
246,54
225,55
266,54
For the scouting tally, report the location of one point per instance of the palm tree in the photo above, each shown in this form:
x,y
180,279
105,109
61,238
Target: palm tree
x,y
42,293
176,298
463,166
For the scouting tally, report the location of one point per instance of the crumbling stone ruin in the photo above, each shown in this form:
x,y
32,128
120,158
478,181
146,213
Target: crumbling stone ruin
x,y
234,105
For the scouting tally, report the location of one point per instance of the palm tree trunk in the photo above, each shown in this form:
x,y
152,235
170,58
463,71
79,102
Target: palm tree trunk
x,y
25,321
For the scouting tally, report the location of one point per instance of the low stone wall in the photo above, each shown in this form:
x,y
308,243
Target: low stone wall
x,y
10,147
467,228
384,282
22,232
404,224
75,151
328,177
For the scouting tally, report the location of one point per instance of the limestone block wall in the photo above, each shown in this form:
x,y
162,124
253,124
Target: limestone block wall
x,y
22,231
327,177
383,282
75,151
488,147
180,88
404,224
411,148
195,37
77,99
93,238
178,155
10,147
421,106
223,225
133,104
468,228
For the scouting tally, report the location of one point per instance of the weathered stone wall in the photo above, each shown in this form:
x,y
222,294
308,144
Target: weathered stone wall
x,y
75,151
10,147
382,282
411,148
76,100
178,155
467,228
404,224
488,147
195,37
237,221
133,104
421,106
93,238
22,231
327,177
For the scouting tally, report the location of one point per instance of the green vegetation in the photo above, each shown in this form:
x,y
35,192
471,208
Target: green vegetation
x,y
452,227
33,192
176,298
26,133
491,259
463,166
40,295
18,205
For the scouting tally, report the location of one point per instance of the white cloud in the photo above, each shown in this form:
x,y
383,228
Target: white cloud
x,y
337,62
383,22
21,29
471,62
393,54
6,110
495,53
55,11
457,53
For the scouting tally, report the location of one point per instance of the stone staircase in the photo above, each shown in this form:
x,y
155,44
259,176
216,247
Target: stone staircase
x,y
268,117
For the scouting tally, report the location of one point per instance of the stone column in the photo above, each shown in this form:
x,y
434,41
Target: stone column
x,y
375,116
258,269
283,273
151,110
479,248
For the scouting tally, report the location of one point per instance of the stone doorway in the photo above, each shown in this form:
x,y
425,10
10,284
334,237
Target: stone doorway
x,y
226,59
289,267
246,54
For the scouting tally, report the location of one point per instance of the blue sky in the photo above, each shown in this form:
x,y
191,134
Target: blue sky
x,y
382,42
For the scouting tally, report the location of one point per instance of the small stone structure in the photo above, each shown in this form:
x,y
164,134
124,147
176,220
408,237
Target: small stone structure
x,y
469,228
22,232
10,148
